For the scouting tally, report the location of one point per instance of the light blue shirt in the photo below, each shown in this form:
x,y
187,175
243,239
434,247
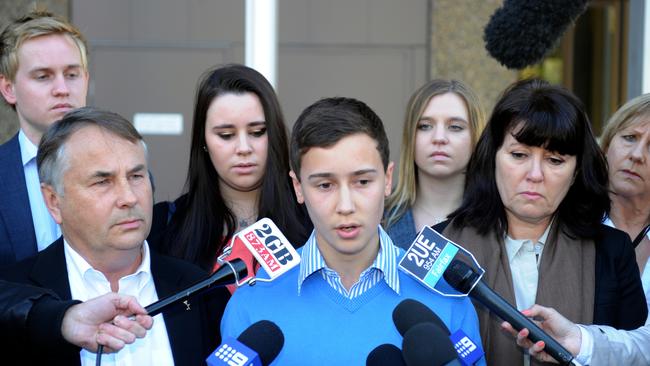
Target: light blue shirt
x,y
46,230
383,268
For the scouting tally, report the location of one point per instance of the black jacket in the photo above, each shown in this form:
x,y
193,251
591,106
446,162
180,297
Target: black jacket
x,y
193,333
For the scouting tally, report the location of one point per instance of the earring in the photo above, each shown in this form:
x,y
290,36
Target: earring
x,y
205,148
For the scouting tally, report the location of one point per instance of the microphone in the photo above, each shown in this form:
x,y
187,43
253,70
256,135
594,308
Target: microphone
x,y
228,273
521,32
425,344
410,313
269,246
258,345
385,355
462,277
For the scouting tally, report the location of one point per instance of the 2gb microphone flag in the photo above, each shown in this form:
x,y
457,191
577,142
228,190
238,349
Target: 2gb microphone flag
x,y
269,247
429,256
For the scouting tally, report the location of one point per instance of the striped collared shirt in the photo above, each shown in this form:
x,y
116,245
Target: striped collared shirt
x,y
384,267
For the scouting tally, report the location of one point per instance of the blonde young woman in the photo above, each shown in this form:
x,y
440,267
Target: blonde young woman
x,y
442,124
626,143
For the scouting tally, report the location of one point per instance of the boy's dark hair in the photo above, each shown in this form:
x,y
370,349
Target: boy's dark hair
x,y
329,120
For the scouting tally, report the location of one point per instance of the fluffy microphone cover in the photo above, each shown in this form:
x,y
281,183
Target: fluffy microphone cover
x,y
521,32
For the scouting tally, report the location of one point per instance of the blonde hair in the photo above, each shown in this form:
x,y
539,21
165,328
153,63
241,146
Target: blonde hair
x,y
624,117
404,194
37,23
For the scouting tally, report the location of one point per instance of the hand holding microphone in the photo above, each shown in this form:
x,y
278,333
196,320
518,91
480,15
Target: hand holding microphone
x,y
553,323
462,277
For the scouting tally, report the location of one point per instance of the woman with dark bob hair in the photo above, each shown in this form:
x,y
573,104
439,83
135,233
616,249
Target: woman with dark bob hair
x,y
238,172
535,198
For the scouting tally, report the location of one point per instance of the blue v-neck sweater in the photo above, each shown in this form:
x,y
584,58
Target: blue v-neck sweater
x,y
322,327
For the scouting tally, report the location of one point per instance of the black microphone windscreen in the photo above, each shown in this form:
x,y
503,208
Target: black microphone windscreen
x,y
265,338
410,312
427,344
521,32
385,355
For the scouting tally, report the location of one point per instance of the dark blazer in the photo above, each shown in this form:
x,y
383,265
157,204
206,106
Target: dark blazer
x,y
17,237
193,333
619,299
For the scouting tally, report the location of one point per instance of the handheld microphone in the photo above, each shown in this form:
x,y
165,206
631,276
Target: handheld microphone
x,y
228,274
258,345
425,344
269,246
410,313
462,277
521,32
385,355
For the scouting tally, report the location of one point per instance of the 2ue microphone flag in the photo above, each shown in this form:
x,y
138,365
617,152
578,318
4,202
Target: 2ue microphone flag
x,y
426,260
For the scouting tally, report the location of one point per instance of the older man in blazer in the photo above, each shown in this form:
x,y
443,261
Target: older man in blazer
x,y
43,75
93,167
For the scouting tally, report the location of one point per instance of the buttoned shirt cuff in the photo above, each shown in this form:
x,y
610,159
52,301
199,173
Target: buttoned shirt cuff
x,y
586,346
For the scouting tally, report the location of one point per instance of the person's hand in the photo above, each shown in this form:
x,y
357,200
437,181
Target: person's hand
x,y
553,323
105,320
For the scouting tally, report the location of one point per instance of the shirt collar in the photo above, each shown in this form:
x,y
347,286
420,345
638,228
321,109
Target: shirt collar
x,y
83,268
27,149
514,245
312,260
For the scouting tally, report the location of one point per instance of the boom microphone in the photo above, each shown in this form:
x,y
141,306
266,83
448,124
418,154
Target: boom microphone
x,y
462,277
521,32
227,274
258,345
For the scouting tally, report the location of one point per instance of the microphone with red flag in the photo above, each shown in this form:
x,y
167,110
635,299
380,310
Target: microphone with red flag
x,y
269,246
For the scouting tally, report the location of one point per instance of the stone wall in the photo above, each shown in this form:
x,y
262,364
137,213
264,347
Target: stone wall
x,y
458,50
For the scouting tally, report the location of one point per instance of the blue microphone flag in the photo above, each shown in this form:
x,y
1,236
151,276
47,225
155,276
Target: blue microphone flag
x,y
429,256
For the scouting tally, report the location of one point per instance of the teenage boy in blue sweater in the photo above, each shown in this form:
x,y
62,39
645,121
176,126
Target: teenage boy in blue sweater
x,y
336,307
